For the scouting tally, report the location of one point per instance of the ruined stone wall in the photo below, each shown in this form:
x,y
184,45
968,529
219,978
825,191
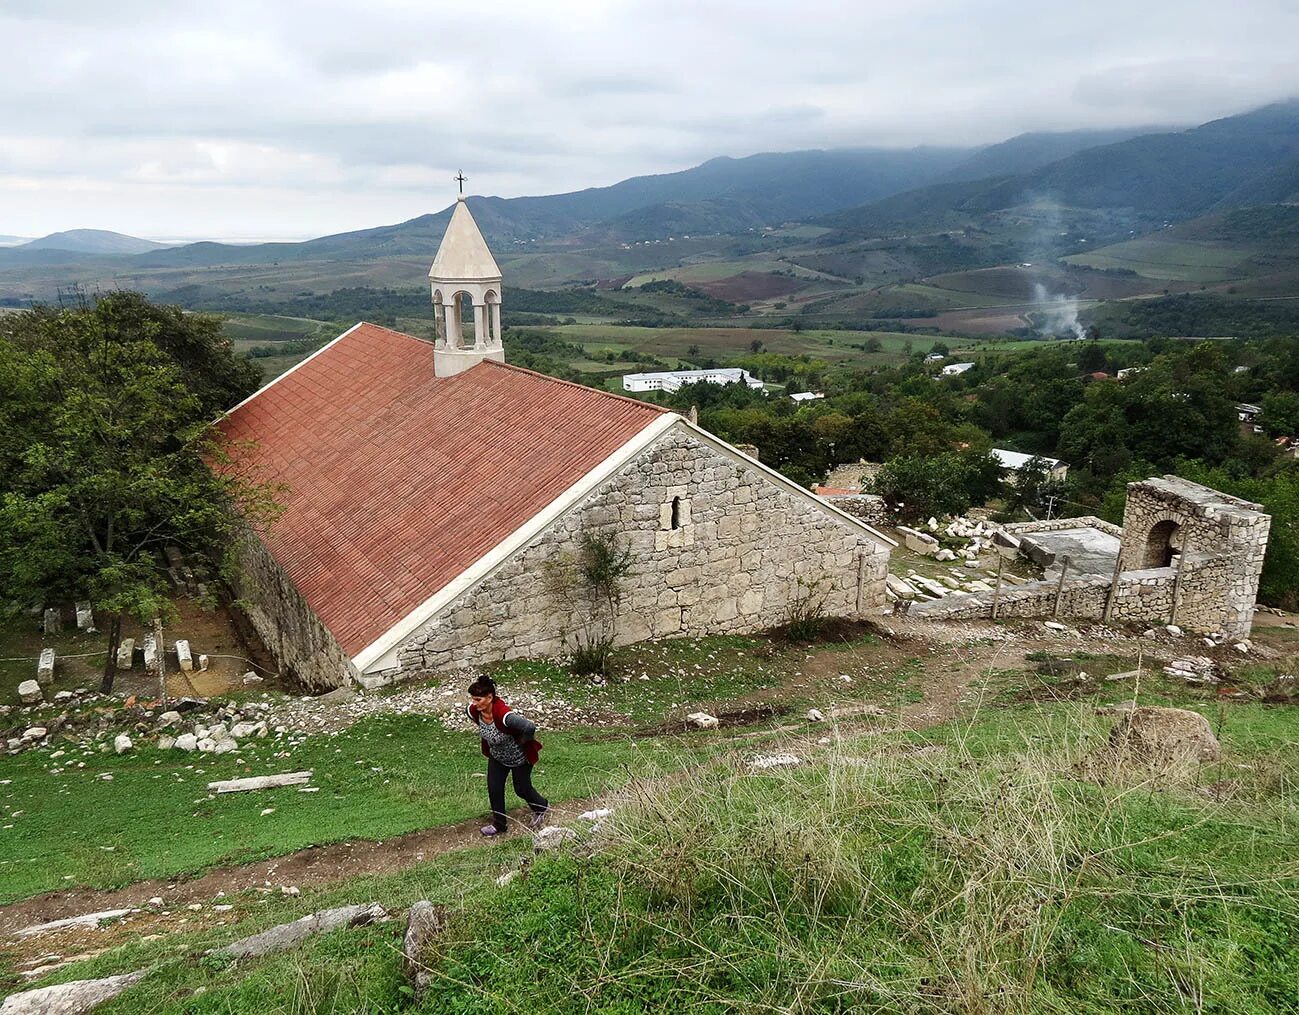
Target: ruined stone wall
x,y
871,509
302,647
1064,524
745,549
1224,538
1083,596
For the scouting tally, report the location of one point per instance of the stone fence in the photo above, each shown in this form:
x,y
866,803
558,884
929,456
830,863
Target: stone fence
x,y
1060,524
1147,595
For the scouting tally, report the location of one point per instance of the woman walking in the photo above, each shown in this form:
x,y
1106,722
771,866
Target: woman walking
x,y
509,742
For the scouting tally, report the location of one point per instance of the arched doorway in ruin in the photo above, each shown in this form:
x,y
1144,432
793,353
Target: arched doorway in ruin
x,y
1163,543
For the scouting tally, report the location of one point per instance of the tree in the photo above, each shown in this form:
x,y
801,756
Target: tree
x,y
108,453
920,486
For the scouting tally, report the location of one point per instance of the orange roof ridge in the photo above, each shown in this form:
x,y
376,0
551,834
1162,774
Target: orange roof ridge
x,y
575,384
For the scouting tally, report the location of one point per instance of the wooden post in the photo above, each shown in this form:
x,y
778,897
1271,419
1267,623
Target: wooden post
x,y
162,660
1059,587
1114,589
1177,587
996,592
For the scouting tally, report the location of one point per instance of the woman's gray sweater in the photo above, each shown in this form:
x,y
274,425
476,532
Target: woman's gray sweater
x,y
504,747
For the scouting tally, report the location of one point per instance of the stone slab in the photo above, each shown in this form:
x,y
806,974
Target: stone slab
x,y
45,668
1090,551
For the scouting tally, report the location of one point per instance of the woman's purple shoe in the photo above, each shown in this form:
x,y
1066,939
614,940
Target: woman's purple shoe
x,y
489,830
537,820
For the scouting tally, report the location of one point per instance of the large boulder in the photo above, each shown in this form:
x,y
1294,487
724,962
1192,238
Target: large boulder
x,y
1163,737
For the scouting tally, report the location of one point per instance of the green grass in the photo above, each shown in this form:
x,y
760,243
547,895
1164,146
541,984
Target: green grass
x,y
384,776
972,868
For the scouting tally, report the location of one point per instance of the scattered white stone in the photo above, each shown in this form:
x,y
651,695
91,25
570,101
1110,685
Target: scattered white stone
x,y
552,837
599,814
815,715
194,907
62,696
184,656
506,878
122,743
703,720
1241,646
289,935
207,745
169,718
186,742
224,746
289,890
156,900
1052,625
267,810
251,679
774,761
35,733
1174,630
125,653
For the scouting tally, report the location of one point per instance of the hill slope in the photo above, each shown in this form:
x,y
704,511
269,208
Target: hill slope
x,y
1151,179
92,241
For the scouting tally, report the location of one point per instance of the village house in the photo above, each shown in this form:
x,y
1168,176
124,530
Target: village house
x,y
439,500
1014,461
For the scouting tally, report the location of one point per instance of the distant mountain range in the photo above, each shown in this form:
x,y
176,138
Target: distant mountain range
x,y
1149,179
91,241
1120,182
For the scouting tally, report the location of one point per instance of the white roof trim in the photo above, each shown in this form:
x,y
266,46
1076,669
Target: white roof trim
x,y
295,366
381,654
780,480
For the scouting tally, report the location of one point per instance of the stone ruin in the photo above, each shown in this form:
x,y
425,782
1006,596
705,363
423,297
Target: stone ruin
x,y
1187,555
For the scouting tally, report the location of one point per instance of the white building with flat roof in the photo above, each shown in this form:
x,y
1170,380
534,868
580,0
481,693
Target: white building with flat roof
x,y
672,380
1013,461
952,369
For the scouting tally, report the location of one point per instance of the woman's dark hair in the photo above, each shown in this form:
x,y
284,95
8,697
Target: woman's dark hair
x,y
483,685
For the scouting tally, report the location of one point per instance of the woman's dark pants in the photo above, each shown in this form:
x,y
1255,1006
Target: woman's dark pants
x,y
496,773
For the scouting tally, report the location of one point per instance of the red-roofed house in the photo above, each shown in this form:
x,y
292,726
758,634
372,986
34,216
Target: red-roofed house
x,y
436,498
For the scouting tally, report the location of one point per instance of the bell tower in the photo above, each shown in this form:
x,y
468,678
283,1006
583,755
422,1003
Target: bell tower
x,y
464,274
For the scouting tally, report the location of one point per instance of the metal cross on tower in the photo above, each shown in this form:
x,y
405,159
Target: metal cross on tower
x,y
460,176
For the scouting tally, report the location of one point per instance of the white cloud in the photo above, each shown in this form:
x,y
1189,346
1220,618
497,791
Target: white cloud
x,y
181,118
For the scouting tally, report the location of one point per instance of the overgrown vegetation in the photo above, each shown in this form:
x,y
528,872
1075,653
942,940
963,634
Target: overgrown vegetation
x,y
106,439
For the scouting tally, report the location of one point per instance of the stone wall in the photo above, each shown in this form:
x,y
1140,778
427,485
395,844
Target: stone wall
x,y
869,507
1064,524
302,647
745,549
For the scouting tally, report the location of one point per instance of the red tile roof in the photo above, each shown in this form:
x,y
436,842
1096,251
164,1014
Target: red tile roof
x,y
399,480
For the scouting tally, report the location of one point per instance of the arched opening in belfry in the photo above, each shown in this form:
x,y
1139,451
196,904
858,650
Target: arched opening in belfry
x,y
439,318
492,318
1162,544
462,318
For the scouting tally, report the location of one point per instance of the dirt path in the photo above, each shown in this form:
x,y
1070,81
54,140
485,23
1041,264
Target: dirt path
x,y
306,868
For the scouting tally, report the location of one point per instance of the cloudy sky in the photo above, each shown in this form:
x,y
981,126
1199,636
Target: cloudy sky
x,y
287,119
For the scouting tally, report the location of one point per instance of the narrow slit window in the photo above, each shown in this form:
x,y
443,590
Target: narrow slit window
x,y
676,512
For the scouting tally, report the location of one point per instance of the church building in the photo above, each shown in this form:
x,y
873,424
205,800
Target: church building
x,y
438,503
